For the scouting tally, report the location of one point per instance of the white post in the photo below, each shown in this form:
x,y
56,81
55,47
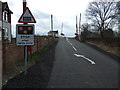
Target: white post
x,y
79,26
76,26
51,22
61,29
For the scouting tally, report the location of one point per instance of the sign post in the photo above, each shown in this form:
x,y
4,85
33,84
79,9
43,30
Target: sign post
x,y
25,31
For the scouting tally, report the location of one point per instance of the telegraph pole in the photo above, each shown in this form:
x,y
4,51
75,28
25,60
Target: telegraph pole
x,y
24,5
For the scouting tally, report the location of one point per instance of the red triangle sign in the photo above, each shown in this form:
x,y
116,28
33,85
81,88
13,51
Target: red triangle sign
x,y
27,17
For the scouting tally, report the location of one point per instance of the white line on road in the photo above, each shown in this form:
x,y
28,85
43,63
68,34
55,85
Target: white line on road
x,y
71,44
66,38
77,55
74,48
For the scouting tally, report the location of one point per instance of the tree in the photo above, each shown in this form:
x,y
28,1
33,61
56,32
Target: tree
x,y
85,27
102,14
118,7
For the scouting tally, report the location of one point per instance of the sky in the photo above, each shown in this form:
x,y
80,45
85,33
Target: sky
x,y
63,11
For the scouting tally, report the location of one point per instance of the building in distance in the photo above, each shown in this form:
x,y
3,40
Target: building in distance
x,y
53,33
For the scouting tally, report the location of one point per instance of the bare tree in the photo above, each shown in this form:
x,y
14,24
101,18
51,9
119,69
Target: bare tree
x,y
85,27
102,14
118,7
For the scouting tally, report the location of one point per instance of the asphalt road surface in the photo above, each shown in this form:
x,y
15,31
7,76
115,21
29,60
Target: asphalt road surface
x,y
78,65
0,64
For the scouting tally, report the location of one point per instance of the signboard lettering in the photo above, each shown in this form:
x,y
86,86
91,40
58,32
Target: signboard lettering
x,y
25,34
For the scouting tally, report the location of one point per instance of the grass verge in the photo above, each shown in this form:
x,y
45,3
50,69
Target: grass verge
x,y
20,65
110,49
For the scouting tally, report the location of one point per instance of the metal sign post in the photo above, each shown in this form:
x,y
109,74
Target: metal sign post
x,y
25,47
26,58
25,31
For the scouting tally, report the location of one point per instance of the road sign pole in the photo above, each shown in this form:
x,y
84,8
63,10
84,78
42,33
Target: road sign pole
x,y
26,58
25,31
25,47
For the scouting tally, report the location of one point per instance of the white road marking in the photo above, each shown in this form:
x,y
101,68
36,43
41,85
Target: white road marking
x,y
77,55
71,44
66,38
74,48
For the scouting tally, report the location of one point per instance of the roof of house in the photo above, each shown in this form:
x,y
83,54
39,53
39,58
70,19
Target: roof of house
x,y
6,7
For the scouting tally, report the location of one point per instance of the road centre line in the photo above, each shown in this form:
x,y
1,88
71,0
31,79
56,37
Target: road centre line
x,y
71,44
74,48
82,56
66,38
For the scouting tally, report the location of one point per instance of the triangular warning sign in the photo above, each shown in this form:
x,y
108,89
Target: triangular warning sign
x,y
27,17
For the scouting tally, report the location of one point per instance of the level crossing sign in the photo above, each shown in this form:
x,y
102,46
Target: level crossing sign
x,y
25,34
27,17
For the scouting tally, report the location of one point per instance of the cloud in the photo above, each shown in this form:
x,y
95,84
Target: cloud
x,y
41,15
11,4
43,22
63,11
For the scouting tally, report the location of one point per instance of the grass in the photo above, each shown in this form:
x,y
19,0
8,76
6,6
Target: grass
x,y
34,56
116,48
19,66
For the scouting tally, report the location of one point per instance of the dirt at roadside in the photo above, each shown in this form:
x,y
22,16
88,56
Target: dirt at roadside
x,y
37,75
112,50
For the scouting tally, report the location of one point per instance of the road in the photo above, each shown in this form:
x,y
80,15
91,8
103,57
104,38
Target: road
x,y
0,64
78,65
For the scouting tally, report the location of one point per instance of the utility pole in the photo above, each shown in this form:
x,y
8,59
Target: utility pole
x,y
24,5
79,26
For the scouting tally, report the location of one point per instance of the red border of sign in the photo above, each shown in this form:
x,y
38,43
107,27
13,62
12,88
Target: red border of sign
x,y
30,14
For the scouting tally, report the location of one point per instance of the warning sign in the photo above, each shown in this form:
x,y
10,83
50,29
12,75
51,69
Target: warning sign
x,y
27,17
25,34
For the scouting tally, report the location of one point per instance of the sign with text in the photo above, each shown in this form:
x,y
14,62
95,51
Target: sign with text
x,y
27,17
24,34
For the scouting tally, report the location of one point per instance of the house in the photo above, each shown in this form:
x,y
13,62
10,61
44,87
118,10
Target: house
x,y
53,33
5,21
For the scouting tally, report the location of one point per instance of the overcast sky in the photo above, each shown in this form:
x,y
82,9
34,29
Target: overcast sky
x,y
63,11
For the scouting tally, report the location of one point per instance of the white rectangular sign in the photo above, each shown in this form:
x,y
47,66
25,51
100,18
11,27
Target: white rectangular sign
x,y
25,34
